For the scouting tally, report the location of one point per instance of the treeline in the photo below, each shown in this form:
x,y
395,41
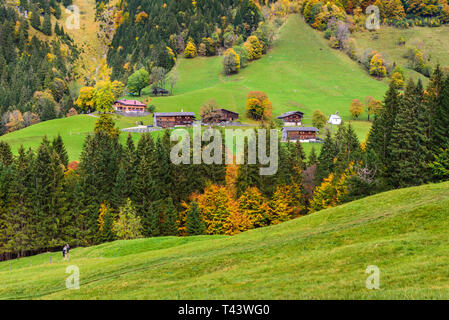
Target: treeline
x,y
338,19
399,13
408,145
125,191
151,33
34,74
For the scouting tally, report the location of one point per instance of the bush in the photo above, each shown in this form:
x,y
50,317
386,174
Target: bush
x,y
231,62
254,48
243,54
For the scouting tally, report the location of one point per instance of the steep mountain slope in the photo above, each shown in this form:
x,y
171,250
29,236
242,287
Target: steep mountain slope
x,y
322,255
300,69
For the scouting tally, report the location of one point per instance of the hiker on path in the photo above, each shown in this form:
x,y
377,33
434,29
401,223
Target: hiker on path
x,y
64,252
67,249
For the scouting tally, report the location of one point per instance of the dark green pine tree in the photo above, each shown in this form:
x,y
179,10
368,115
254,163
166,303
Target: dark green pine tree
x,y
6,157
248,175
407,167
35,19
440,132
194,221
350,151
326,158
119,194
129,163
59,147
21,218
169,219
434,91
380,134
49,206
162,172
46,25
152,219
312,157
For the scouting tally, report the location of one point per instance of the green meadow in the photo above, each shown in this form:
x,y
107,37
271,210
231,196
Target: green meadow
x,y
431,41
323,255
300,72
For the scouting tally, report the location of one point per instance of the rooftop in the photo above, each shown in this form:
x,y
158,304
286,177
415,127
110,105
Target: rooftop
x,y
289,113
131,103
300,129
170,114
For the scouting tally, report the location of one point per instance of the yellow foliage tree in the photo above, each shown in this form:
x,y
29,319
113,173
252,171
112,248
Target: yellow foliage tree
x,y
377,66
254,48
190,50
85,99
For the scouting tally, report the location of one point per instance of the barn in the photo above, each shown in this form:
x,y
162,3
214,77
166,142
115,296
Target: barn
x,y
302,134
292,118
173,119
220,115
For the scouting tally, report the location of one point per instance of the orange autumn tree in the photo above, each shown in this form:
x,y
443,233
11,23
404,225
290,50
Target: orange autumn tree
x,y
255,206
214,204
332,190
282,206
258,107
237,221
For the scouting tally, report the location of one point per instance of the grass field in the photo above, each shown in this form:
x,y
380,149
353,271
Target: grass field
x,y
73,131
432,41
319,256
300,72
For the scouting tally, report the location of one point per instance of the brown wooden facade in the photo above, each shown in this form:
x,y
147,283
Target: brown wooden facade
x,y
220,115
292,117
173,119
299,133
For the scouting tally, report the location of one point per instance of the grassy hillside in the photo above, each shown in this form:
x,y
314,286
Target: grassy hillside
x,y
301,69
432,41
73,131
322,255
300,72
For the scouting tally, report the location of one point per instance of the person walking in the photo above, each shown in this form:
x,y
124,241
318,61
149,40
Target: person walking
x,y
64,252
67,250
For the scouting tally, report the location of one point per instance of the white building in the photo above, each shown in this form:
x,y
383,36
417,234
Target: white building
x,y
335,119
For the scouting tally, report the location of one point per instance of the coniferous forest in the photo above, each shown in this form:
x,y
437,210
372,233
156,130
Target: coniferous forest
x,y
34,74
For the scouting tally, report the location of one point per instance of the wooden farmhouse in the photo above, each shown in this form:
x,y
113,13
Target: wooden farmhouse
x,y
292,118
129,106
160,91
302,134
173,119
220,115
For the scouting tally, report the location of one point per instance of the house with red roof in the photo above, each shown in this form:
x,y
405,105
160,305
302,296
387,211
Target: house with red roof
x,y
129,106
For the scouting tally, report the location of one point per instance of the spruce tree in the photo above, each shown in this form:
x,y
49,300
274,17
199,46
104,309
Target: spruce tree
x,y
326,163
312,157
440,132
408,148
194,221
46,25
59,147
380,134
169,219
